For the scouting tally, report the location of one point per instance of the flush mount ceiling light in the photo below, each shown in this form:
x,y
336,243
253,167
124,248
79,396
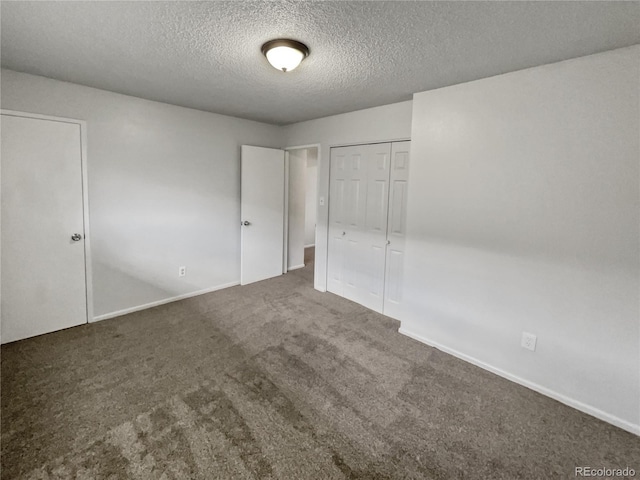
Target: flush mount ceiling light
x,y
285,54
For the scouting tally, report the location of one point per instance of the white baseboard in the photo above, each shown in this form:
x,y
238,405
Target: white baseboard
x,y
578,405
162,302
295,267
309,246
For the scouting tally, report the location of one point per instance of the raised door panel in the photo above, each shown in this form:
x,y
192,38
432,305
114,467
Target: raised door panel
x,y
354,205
375,281
397,215
352,268
378,160
335,263
377,195
357,189
353,259
393,293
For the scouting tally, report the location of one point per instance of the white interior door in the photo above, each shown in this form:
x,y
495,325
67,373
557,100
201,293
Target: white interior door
x,y
397,226
43,257
262,213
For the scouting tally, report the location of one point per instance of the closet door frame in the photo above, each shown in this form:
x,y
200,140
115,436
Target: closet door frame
x,y
85,196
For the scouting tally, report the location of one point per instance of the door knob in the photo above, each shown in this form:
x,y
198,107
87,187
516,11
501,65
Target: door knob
x,y
245,223
344,233
76,237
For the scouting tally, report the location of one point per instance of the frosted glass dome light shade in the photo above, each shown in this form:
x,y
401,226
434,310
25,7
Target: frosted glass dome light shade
x,y
285,54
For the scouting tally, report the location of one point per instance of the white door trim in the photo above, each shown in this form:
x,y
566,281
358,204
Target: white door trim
x,y
356,144
301,147
285,213
85,196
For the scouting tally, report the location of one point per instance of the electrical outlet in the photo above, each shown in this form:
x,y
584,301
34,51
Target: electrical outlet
x,y
182,271
528,341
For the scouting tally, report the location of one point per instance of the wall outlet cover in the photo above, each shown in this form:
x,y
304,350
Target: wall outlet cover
x,y
528,341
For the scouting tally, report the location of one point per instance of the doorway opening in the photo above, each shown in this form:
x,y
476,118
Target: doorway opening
x,y
302,207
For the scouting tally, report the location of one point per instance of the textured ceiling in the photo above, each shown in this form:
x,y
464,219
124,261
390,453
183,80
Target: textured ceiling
x,y
206,55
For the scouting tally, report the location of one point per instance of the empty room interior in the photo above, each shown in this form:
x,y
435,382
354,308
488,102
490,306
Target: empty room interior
x,y
320,240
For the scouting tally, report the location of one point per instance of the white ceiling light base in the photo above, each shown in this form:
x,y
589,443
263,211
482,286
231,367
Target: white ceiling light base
x,y
284,54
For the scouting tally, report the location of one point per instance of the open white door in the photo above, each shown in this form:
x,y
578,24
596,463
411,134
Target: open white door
x,y
262,213
44,285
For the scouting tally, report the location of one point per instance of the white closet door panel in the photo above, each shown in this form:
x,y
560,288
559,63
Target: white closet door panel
x,y
353,261
396,230
352,269
374,250
338,219
336,260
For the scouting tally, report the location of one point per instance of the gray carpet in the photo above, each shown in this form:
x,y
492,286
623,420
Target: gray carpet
x,y
309,255
277,380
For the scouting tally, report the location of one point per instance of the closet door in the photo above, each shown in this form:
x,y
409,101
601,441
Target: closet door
x,y
346,220
397,226
358,208
373,250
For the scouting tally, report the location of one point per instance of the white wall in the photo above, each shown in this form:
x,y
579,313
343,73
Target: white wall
x,y
297,197
389,122
523,215
311,193
164,188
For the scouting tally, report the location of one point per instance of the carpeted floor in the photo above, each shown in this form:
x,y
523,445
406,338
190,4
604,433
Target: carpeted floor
x,y
309,255
277,380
